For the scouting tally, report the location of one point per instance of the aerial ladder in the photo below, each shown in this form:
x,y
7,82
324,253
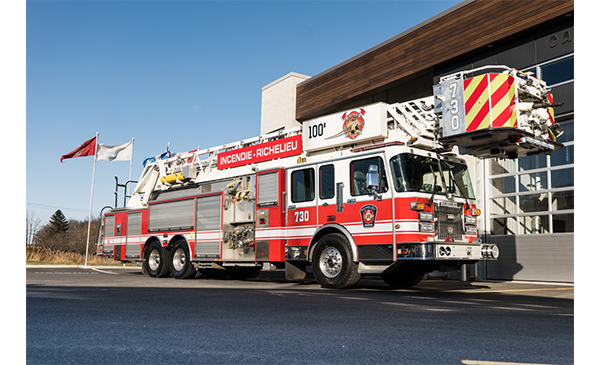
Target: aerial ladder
x,y
502,114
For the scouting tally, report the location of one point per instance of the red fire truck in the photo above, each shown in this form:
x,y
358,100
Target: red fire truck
x,y
377,189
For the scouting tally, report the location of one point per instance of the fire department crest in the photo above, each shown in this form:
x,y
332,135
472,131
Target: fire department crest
x,y
353,124
368,214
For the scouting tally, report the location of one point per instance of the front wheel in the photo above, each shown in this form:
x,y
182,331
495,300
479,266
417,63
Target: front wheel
x,y
332,262
181,263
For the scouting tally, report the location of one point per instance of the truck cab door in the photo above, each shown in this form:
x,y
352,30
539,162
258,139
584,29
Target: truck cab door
x,y
329,193
301,202
368,212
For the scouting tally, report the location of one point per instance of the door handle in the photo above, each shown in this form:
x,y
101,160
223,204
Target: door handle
x,y
339,199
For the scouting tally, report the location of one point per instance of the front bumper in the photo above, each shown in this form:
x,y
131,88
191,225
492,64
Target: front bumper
x,y
446,251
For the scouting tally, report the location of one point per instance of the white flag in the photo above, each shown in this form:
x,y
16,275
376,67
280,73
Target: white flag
x,y
122,152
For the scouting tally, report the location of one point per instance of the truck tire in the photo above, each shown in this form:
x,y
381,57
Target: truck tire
x,y
332,262
155,262
181,263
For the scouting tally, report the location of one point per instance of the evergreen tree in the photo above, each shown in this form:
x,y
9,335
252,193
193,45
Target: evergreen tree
x,y
58,222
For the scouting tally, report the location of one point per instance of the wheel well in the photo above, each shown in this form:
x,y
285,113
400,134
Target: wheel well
x,y
176,238
147,244
327,229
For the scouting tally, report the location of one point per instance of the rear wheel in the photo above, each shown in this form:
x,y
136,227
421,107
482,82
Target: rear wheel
x,y
181,263
156,261
332,262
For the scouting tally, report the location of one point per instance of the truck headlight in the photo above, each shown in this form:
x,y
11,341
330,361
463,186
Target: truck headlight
x,y
426,226
426,216
470,230
469,219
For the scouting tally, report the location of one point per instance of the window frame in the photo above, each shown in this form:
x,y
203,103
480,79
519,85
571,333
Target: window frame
x,y
311,188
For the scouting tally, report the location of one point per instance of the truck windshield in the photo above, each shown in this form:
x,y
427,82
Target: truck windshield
x,y
416,173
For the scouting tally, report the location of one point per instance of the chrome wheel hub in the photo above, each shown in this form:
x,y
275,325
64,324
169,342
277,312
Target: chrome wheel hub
x,y
179,259
330,262
154,260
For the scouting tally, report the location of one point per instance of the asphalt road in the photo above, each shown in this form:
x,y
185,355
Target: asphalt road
x,y
119,316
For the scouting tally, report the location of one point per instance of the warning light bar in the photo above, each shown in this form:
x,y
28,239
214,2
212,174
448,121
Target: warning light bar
x,y
377,145
535,142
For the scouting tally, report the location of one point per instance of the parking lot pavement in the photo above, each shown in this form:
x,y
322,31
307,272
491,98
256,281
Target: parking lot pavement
x,y
128,275
112,315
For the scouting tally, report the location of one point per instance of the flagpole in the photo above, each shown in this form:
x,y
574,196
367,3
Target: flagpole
x,y
87,245
130,166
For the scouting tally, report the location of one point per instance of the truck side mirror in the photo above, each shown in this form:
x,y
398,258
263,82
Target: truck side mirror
x,y
372,178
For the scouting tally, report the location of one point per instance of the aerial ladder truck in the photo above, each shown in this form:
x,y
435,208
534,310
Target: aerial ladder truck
x,y
378,190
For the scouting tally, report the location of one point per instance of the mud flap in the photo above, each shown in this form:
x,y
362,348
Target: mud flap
x,y
295,271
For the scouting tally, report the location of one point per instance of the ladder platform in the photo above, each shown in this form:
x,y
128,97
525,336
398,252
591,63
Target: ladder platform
x,y
501,142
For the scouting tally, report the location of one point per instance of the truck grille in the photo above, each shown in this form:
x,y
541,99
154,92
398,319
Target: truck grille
x,y
449,221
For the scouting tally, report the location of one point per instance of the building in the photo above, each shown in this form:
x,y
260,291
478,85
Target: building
x,y
528,202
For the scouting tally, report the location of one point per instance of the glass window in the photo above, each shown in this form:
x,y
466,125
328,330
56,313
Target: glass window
x,y
504,205
502,226
326,182
457,179
535,224
303,185
563,200
498,167
358,175
503,185
532,162
533,182
420,173
562,178
558,71
564,156
533,203
568,131
563,223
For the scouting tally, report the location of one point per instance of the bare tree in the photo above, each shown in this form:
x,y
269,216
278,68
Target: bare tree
x,y
73,239
33,225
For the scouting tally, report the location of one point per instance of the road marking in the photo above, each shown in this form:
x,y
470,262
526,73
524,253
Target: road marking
x,y
512,308
476,362
63,273
512,290
106,272
354,298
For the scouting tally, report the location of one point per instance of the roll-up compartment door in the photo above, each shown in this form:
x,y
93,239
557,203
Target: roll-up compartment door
x,y
171,216
134,234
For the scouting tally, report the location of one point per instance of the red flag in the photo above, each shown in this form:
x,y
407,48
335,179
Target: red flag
x,y
88,148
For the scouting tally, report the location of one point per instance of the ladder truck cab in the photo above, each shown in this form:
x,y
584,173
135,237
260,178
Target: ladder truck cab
x,y
374,190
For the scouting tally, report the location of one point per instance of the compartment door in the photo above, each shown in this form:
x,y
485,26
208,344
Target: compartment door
x,y
270,230
134,235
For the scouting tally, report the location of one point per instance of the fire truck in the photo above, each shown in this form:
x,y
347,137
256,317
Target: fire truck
x,y
380,189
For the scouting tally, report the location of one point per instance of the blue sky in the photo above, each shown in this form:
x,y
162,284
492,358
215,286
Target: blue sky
x,y
186,72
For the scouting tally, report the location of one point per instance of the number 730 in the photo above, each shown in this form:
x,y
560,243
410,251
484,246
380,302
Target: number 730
x,y
301,215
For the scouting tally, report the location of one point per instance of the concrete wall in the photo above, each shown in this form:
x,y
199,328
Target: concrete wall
x,y
534,257
278,108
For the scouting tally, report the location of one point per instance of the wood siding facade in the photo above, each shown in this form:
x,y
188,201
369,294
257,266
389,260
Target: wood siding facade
x,y
467,27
